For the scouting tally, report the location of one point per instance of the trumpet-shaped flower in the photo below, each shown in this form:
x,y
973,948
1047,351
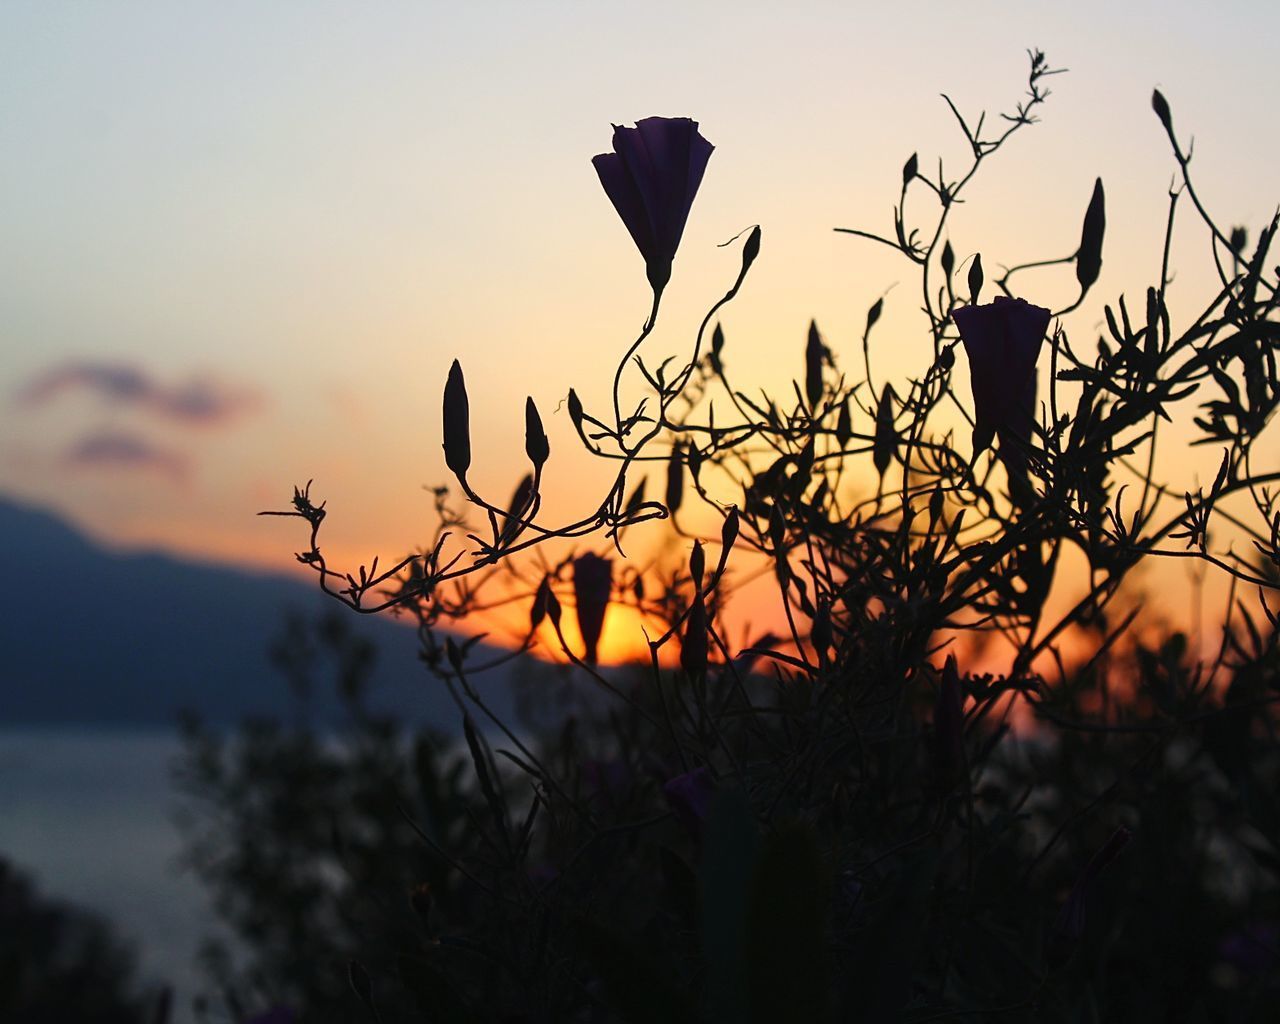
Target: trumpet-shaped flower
x,y
1002,341
651,178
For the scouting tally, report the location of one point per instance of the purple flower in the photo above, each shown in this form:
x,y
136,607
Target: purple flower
x,y
1002,341
689,797
1068,929
607,781
592,582
651,178
1253,949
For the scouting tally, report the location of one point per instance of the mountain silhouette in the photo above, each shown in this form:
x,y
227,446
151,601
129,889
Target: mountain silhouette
x,y
96,637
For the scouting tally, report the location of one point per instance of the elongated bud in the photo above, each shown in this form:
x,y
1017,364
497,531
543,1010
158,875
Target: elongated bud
x,y
909,169
457,423
844,424
695,461
521,503
751,249
1089,258
592,584
729,532
675,479
778,538
873,314
948,729
936,501
697,564
948,259
575,410
693,646
536,446
885,443
813,353
975,279
717,346
541,600
454,654
1161,106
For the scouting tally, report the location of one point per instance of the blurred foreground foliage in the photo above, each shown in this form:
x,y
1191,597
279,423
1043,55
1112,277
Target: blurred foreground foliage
x,y
59,962
851,820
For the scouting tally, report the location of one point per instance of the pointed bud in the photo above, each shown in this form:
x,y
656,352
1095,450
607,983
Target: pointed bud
x,y
457,423
536,446
975,279
909,169
521,503
948,259
541,600
873,314
948,729
575,410
728,532
693,646
1089,256
751,249
675,479
1161,106
717,346
454,654
884,445
697,564
592,584
935,506
813,354
844,424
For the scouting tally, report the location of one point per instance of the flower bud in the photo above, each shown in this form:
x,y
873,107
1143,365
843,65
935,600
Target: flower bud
x,y
948,730
1089,255
592,584
457,426
1161,106
536,446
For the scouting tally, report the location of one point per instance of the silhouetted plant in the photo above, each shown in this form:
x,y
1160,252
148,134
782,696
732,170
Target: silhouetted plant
x,y
59,962
841,822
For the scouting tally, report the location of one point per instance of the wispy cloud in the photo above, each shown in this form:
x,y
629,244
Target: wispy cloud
x,y
116,450
201,401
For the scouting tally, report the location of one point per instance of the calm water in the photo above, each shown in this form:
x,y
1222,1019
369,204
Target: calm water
x,y
88,815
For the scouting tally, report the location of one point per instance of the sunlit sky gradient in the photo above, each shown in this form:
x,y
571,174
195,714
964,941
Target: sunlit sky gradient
x,y
292,216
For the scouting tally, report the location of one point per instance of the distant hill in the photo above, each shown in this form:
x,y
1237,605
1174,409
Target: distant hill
x,y
91,636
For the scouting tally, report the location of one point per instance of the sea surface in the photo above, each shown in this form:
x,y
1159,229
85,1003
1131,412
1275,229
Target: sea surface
x,y
89,815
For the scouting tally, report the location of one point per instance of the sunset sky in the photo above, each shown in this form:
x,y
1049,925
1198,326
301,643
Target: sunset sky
x,y
242,242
